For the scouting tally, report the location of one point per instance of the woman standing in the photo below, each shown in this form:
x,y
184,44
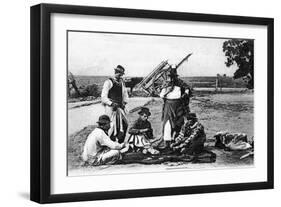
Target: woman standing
x,y
176,95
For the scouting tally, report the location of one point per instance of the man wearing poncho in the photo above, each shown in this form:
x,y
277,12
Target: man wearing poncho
x,y
191,138
176,95
114,97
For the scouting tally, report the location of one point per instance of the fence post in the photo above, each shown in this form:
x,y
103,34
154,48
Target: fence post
x,y
217,82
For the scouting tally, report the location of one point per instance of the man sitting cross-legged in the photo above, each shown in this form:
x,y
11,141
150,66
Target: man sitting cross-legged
x,y
141,133
191,138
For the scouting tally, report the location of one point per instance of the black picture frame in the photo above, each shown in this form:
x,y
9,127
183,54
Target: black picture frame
x,y
41,102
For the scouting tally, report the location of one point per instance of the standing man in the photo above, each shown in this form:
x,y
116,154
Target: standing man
x,y
176,95
99,149
114,97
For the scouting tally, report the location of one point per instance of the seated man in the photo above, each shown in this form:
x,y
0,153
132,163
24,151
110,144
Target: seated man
x,y
141,133
99,149
191,138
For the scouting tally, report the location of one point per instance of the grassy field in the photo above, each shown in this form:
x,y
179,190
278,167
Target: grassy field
x,y
89,80
225,82
208,81
217,112
199,84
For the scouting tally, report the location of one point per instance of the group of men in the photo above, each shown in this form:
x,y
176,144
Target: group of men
x,y
181,131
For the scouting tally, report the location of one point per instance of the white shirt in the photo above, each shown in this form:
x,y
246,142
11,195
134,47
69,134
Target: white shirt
x,y
96,141
174,94
105,90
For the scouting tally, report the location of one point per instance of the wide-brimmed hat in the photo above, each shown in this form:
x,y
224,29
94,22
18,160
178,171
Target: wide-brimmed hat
x,y
103,119
191,116
144,110
120,69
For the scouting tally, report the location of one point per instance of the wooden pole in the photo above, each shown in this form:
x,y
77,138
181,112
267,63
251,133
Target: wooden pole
x,y
217,82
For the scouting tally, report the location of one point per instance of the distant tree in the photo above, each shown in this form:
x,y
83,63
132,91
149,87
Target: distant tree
x,y
90,90
71,82
241,53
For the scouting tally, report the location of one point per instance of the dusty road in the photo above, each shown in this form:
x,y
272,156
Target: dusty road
x,y
80,117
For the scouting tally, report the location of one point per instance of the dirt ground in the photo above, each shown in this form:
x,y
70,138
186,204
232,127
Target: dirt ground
x,y
231,112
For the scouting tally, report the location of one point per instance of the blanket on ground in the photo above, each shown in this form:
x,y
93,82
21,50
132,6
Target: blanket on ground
x,y
137,157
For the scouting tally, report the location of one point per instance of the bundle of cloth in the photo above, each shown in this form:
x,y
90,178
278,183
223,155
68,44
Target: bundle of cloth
x,y
233,141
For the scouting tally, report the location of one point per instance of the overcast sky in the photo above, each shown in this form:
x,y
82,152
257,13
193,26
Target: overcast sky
x,y
98,53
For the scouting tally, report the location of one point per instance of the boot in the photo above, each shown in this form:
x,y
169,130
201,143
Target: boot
x,y
167,148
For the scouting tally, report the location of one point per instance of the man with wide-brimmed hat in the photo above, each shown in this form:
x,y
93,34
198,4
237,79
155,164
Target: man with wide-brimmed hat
x,y
176,95
191,138
99,149
114,97
141,133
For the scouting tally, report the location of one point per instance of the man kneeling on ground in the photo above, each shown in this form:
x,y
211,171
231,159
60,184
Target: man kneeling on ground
x,y
99,149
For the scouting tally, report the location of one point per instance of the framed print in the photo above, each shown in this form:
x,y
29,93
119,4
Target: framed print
x,y
133,103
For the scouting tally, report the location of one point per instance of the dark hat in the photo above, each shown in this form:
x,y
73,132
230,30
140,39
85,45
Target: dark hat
x,y
144,110
103,119
191,116
172,72
120,69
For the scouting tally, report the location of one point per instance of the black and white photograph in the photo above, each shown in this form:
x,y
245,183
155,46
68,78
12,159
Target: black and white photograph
x,y
148,103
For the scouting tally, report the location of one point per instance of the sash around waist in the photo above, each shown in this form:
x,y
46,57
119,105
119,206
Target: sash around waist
x,y
172,100
118,101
